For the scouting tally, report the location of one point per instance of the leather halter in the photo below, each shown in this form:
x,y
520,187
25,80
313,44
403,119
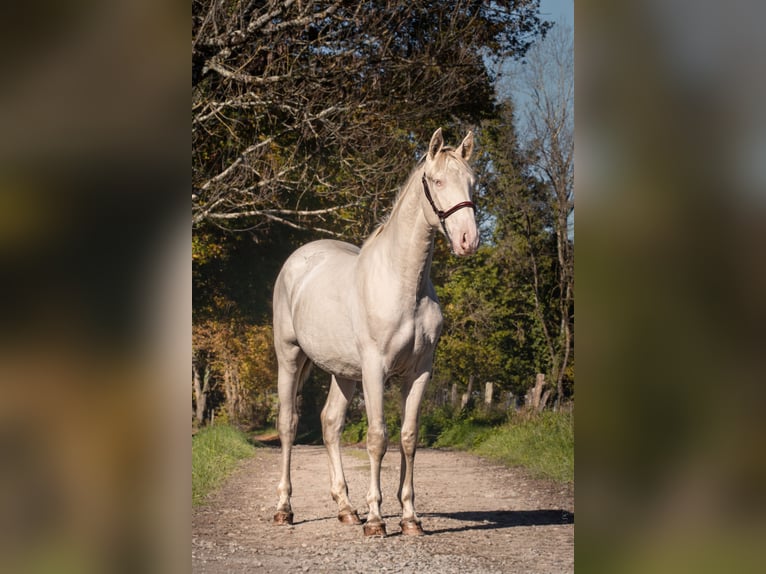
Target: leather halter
x,y
442,215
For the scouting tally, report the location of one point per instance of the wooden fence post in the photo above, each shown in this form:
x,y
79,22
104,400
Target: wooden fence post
x,y
488,394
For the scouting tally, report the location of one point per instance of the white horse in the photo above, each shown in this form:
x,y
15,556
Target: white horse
x,y
368,314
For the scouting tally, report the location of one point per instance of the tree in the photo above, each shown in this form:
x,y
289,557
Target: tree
x,y
472,303
200,382
236,360
549,136
307,113
534,196
492,322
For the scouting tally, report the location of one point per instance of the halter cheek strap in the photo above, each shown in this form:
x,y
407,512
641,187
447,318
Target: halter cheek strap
x,y
442,215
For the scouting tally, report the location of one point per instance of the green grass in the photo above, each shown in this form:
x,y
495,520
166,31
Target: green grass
x,y
215,453
463,434
542,443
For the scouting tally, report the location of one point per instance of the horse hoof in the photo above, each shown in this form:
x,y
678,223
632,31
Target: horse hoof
x,y
377,529
350,517
411,528
282,517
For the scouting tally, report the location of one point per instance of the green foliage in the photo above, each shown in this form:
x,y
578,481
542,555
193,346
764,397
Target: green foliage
x,y
465,434
534,248
473,341
490,328
542,443
215,453
447,426
355,430
433,423
503,306
355,433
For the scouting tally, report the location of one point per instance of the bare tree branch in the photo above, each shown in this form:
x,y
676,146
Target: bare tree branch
x,y
275,212
235,163
245,78
315,103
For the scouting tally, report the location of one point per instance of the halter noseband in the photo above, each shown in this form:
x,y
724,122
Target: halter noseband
x,y
442,215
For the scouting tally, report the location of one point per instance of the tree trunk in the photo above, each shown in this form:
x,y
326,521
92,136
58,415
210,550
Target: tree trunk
x,y
543,400
536,399
231,390
201,382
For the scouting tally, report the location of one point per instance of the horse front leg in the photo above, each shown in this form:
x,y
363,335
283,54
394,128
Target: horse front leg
x,y
412,395
333,417
377,443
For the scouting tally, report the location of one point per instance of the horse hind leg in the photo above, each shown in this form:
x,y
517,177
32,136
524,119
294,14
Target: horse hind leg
x,y
333,417
292,374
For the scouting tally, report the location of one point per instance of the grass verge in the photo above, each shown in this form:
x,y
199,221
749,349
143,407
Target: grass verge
x,y
215,452
464,434
542,443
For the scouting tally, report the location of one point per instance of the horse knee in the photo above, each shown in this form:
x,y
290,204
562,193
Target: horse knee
x,y
330,428
377,439
409,440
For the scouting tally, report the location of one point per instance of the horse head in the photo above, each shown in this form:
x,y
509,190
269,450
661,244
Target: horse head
x,y
447,183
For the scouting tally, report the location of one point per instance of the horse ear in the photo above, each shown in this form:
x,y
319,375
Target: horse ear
x,y
437,141
466,148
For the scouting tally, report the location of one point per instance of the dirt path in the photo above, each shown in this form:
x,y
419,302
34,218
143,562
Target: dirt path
x,y
478,517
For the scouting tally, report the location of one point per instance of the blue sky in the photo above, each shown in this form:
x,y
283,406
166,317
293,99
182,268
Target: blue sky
x,y
558,11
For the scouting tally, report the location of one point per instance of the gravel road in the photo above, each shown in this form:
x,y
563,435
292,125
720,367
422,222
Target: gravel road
x,y
478,517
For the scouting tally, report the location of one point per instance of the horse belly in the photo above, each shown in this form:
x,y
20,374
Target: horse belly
x,y
329,343
321,316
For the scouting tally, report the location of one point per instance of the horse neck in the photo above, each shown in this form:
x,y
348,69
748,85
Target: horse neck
x,y
406,240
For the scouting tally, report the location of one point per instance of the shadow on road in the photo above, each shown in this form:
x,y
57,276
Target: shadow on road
x,y
496,519
479,520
